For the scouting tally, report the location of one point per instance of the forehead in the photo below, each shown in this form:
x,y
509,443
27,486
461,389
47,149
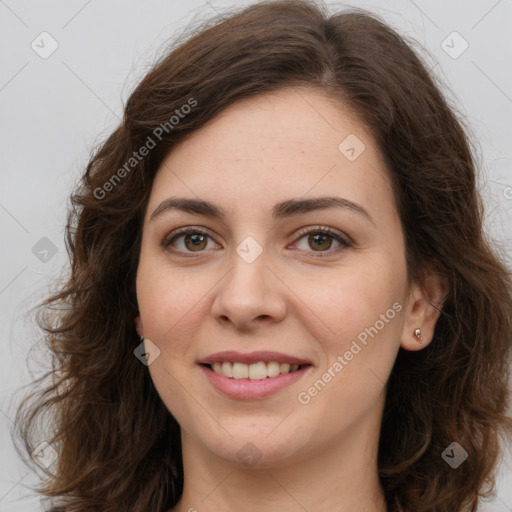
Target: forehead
x,y
277,145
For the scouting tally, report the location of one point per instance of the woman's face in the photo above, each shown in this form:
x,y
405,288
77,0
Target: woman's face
x,y
264,277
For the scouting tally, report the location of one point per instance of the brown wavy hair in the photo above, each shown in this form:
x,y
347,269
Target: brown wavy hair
x,y
119,447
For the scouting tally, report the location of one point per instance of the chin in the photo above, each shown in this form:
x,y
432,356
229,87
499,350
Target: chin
x,y
259,450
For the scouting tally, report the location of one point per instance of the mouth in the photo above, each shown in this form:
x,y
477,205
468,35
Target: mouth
x,y
260,370
252,381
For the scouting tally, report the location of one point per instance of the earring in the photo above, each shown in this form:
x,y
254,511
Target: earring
x,y
417,333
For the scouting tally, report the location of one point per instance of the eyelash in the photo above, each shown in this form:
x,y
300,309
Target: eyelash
x,y
324,230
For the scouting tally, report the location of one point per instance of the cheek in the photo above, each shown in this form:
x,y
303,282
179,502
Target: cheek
x,y
359,335
345,302
169,298
169,303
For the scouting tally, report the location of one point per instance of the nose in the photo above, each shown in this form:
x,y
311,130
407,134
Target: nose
x,y
249,294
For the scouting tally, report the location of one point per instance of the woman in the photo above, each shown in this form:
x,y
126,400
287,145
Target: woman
x,y
281,296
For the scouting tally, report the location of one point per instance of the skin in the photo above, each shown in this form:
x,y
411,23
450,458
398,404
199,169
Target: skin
x,y
321,455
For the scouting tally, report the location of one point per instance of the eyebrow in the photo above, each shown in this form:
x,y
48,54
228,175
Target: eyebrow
x,y
280,210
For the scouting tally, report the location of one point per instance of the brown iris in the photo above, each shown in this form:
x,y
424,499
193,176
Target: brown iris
x,y
314,238
196,240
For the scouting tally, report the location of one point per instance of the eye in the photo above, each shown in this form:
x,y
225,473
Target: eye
x,y
320,238
193,239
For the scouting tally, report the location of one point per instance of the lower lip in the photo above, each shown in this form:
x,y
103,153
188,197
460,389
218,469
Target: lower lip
x,y
246,389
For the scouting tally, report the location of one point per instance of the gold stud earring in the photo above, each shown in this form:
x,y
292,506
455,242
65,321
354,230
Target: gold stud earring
x,y
417,333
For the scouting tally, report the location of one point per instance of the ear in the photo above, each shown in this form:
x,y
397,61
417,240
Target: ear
x,y
422,311
138,327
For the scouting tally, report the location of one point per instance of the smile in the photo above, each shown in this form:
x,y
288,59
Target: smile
x,y
242,386
255,371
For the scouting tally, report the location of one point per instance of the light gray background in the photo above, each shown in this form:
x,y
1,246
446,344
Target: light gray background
x,y
54,110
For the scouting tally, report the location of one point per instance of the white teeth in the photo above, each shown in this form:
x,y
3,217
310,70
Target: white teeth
x,y
254,371
257,371
227,369
273,369
284,367
240,371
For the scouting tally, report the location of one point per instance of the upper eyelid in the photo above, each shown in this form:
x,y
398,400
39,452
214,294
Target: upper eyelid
x,y
175,233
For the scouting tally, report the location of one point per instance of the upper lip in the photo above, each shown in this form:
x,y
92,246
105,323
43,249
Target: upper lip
x,y
252,357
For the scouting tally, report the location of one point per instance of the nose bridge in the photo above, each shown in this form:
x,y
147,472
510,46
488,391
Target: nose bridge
x,y
247,279
249,265
248,291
